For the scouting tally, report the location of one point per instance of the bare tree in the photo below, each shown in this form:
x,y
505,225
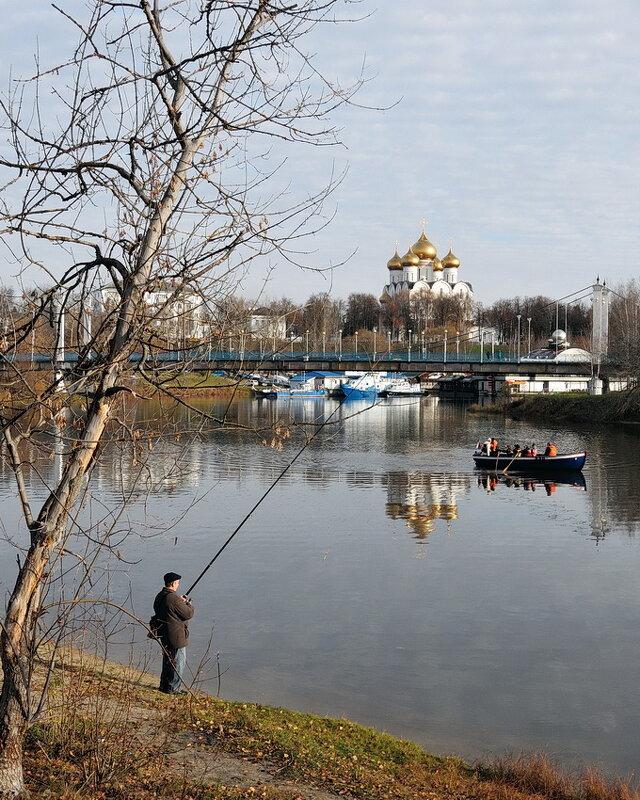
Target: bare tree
x,y
321,316
151,165
624,328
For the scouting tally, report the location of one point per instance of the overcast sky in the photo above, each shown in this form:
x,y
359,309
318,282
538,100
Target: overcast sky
x,y
511,127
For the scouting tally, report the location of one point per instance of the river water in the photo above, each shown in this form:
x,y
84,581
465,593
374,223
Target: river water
x,y
384,580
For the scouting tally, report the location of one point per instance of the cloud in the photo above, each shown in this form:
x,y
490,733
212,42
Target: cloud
x,y
512,127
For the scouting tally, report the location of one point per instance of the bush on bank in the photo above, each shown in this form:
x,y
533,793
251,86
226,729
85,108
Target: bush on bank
x,y
570,407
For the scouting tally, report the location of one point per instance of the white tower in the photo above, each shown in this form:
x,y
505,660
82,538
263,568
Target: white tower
x,y
600,326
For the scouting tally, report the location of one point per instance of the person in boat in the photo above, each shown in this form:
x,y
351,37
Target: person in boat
x,y
494,447
486,447
551,450
517,451
534,452
527,452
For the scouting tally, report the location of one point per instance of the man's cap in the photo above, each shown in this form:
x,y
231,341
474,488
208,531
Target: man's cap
x,y
170,577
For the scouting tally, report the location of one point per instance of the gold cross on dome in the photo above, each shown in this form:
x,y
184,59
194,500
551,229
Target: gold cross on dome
x,y
423,222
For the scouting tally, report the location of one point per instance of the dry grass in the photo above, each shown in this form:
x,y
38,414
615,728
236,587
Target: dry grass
x,y
537,775
109,735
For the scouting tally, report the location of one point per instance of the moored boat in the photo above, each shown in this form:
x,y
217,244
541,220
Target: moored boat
x,y
502,460
402,388
365,385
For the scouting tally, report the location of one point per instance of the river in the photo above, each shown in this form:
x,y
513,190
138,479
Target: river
x,y
382,578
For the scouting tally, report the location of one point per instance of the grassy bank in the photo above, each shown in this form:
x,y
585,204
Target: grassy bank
x,y
198,384
108,734
570,407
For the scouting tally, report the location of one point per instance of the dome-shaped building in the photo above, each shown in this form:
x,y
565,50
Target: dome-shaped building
x,y
420,270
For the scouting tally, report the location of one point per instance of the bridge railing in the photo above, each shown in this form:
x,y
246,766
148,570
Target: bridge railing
x,y
379,357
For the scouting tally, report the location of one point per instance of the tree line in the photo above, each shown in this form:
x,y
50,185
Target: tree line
x,y
323,318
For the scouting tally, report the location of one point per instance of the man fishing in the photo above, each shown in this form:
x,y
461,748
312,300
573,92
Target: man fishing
x,y
173,612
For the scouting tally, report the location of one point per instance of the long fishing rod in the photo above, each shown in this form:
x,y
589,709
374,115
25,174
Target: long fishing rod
x,y
273,485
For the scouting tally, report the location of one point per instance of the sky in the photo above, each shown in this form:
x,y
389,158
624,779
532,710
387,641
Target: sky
x,y
512,128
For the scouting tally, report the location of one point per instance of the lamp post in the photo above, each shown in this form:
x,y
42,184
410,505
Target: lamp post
x,y
481,345
519,317
444,347
375,332
410,332
528,334
324,344
356,344
422,344
292,337
389,346
340,341
493,345
457,345
306,333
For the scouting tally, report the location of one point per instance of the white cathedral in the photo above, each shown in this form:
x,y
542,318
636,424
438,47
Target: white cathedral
x,y
421,271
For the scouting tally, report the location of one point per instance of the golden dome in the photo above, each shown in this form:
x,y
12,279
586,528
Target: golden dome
x,y
410,259
437,265
384,297
450,260
423,248
395,262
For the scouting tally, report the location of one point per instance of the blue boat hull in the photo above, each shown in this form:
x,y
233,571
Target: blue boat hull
x,y
358,394
570,461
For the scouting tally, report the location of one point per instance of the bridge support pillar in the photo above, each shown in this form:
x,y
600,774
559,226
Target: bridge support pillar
x,y
595,385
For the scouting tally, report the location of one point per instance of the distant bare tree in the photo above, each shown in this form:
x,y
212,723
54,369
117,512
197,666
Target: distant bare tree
x,y
153,165
322,317
624,328
362,313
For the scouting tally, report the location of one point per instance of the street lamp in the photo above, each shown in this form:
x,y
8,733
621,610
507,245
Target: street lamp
x,y
444,347
410,332
356,344
493,345
389,338
292,337
340,340
457,345
529,335
422,344
375,331
519,316
324,344
307,341
481,345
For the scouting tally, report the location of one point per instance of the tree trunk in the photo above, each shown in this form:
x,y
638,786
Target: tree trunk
x,y
13,725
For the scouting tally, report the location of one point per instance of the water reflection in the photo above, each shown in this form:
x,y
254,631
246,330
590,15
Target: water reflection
x,y
423,499
320,598
490,481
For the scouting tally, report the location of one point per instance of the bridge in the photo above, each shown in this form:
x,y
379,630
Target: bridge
x,y
248,361
480,355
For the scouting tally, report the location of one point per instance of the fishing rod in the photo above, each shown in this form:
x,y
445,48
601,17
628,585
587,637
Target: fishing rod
x,y
264,496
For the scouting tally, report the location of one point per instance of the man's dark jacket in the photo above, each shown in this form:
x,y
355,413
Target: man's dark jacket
x,y
173,612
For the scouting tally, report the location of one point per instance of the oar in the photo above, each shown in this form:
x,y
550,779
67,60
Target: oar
x,y
504,471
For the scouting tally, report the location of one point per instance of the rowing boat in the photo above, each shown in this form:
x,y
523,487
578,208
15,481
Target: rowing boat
x,y
542,463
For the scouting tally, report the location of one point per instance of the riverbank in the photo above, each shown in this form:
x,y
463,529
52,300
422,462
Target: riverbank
x,y
109,734
196,384
619,407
